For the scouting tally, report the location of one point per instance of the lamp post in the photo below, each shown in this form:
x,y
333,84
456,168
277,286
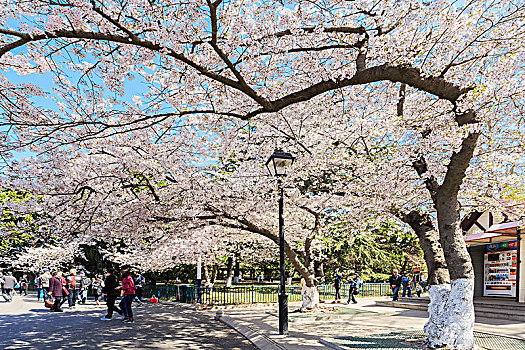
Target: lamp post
x,y
277,166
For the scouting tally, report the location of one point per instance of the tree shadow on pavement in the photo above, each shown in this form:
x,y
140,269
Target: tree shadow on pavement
x,y
155,327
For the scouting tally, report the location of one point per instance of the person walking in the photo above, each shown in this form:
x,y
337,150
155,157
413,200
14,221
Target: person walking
x,y
56,290
406,281
44,281
97,285
23,285
395,283
85,282
110,289
338,281
38,288
140,282
419,290
8,283
128,286
355,284
74,285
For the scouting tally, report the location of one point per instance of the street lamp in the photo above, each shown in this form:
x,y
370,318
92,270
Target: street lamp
x,y
277,166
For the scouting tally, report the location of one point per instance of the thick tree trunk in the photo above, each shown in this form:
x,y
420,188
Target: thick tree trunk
x,y
438,275
214,270
319,270
453,304
310,298
428,236
458,306
237,271
229,272
451,309
205,274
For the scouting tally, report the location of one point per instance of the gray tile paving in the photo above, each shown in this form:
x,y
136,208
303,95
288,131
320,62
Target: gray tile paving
x,y
26,324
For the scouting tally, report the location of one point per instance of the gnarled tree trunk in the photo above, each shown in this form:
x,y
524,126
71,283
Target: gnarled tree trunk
x,y
451,308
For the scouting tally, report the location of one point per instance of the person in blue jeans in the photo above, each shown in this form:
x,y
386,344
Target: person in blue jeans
x,y
395,283
128,286
406,281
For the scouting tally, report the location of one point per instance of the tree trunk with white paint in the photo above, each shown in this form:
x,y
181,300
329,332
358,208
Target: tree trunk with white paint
x,y
451,308
458,307
451,315
310,298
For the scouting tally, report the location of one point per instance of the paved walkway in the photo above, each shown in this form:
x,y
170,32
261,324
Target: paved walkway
x,y
363,318
26,324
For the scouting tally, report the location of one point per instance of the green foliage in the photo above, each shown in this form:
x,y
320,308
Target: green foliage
x,y
373,253
17,230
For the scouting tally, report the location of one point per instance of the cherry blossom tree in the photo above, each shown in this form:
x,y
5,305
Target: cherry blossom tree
x,y
435,74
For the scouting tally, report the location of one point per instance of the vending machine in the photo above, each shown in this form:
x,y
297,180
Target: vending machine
x,y
501,263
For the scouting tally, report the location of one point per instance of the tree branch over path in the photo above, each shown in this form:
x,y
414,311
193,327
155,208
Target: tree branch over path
x,y
406,74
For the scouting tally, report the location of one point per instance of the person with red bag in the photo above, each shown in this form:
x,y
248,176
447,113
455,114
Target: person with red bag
x,y
56,291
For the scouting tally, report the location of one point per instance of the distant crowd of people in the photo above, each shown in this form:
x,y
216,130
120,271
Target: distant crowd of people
x,y
56,288
397,281
352,279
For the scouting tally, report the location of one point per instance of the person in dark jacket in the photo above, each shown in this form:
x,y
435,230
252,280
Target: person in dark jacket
x,y
355,284
56,291
338,281
110,289
395,283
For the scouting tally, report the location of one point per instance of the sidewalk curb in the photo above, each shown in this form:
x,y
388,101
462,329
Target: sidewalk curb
x,y
258,340
331,345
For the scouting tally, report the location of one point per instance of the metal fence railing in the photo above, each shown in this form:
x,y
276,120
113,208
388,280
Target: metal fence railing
x,y
254,294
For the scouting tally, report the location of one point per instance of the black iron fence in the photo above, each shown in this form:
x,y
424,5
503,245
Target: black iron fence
x,y
254,294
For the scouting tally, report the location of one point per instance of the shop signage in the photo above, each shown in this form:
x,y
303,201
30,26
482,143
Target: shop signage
x,y
493,247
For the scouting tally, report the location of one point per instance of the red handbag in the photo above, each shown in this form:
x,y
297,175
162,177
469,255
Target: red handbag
x,y
48,303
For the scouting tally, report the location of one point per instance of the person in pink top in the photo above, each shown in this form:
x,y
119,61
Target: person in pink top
x,y
128,286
